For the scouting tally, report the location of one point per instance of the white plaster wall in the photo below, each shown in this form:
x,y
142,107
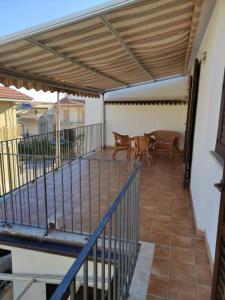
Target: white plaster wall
x,y
33,262
93,111
205,169
139,119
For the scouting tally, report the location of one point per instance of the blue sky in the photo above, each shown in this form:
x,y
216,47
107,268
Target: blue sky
x,y
20,14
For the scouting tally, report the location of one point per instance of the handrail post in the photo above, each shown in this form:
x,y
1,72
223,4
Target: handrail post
x,y
45,194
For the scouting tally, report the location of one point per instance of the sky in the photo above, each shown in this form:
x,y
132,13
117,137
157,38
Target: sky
x,y
17,15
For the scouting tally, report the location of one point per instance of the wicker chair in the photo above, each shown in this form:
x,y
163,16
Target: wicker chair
x,y
166,140
142,144
122,143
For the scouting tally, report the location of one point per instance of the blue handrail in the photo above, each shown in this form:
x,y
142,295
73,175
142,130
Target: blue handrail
x,y
69,277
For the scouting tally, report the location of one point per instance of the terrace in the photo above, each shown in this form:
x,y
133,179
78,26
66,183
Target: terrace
x,y
73,197
82,220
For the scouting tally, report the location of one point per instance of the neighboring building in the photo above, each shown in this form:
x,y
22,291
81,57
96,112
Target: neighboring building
x,y
71,112
40,117
9,127
35,118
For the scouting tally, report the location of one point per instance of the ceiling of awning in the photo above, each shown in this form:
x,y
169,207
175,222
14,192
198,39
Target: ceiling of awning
x,y
124,43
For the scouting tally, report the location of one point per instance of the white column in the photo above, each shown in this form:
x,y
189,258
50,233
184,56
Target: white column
x,y
103,119
57,150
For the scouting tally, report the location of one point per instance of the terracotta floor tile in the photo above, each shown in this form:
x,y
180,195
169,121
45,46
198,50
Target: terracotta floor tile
x,y
204,275
158,286
181,271
201,258
160,239
181,241
182,255
180,231
199,244
204,292
162,252
160,267
182,290
161,227
152,297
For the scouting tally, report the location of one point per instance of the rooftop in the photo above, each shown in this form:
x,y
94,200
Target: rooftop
x,y
11,94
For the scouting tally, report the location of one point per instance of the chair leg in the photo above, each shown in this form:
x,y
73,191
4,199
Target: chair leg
x,y
128,154
114,154
148,159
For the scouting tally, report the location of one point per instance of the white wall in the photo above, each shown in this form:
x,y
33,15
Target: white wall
x,y
93,111
205,169
139,119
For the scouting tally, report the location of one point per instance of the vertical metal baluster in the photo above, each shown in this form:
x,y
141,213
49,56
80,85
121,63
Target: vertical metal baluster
x,y
138,201
130,232
135,212
28,193
118,176
126,248
109,258
85,276
108,176
36,193
119,253
99,190
80,196
45,196
86,139
122,236
63,200
71,192
72,290
19,187
103,266
3,191
115,256
95,250
10,180
89,196
54,191
133,238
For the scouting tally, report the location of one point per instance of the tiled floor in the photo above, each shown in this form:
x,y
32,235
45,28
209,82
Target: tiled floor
x,y
180,269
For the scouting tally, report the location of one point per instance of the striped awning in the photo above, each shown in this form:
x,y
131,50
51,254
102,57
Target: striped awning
x,y
115,45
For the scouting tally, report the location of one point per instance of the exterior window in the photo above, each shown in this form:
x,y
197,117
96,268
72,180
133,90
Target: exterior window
x,y
66,115
220,143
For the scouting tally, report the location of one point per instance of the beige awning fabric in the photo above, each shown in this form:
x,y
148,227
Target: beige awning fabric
x,y
118,44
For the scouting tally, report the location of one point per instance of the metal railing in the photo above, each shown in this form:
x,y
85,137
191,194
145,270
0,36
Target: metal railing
x,y
105,267
73,142
71,196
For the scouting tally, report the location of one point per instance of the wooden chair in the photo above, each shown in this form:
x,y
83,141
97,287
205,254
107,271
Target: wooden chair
x,y
142,144
122,143
166,140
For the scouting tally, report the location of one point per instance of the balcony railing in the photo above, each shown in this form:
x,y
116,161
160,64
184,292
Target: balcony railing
x,y
70,197
60,146
105,267
66,143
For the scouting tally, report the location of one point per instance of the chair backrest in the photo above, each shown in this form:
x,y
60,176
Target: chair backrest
x,y
142,143
121,140
151,137
165,135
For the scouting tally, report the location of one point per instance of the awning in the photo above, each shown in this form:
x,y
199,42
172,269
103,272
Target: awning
x,y
113,45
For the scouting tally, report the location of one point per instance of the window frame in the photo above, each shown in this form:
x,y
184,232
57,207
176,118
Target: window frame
x,y
220,147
